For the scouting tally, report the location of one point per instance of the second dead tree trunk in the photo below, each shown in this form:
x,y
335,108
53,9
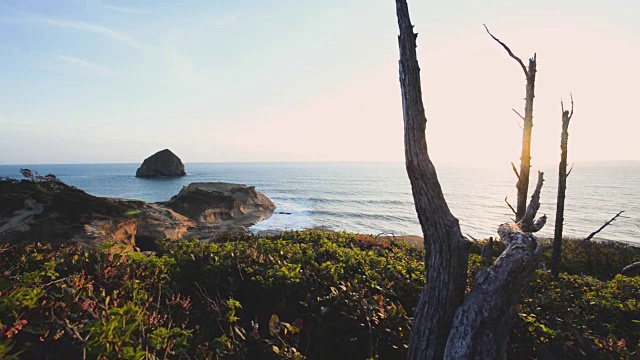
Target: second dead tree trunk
x,y
556,255
525,157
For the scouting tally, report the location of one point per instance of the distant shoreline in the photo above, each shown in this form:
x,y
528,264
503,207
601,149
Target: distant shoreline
x,y
399,162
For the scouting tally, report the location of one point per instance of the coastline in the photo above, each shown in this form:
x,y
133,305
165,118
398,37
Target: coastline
x,y
374,198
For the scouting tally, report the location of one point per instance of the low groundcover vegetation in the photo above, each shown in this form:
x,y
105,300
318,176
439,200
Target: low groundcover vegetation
x,y
296,295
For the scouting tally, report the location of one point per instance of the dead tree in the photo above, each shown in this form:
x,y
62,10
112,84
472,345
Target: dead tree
x,y
525,157
444,243
556,254
446,323
481,324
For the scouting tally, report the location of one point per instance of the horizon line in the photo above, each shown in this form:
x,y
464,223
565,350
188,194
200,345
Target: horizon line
x,y
307,162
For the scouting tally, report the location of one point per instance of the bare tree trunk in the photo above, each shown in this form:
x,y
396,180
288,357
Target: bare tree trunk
x,y
480,326
443,240
556,255
525,157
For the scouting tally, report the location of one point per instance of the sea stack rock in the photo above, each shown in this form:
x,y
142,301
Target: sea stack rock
x,y
161,164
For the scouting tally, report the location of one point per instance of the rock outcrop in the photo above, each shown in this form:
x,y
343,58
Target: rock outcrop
x,y
52,211
217,203
164,163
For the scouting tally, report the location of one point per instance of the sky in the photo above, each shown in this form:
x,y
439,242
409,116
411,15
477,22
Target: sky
x,y
305,80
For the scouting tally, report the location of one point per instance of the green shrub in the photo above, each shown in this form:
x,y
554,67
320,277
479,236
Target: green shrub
x,y
296,295
603,260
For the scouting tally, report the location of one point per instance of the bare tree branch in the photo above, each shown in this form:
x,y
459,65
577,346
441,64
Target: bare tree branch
x,y
387,235
510,207
631,269
569,172
515,170
539,223
528,223
517,113
524,68
527,127
600,229
521,117
571,114
473,241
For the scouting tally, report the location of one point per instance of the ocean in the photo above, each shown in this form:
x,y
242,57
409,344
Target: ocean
x,y
370,197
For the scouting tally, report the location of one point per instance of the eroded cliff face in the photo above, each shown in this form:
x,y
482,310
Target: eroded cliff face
x,y
51,211
139,230
54,211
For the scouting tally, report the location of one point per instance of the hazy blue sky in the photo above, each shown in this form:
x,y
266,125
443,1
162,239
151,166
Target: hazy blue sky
x,y
298,80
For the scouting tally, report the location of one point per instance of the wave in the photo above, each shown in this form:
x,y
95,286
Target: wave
x,y
341,201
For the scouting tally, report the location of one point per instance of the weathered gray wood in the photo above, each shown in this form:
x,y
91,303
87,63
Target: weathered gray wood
x,y
525,157
480,327
529,223
632,269
556,254
481,324
446,247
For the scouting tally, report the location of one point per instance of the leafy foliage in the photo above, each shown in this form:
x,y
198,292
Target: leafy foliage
x,y
296,295
603,260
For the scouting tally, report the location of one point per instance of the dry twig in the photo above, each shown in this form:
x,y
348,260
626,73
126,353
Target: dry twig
x,y
600,229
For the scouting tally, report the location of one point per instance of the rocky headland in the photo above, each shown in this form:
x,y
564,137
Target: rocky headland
x,y
52,211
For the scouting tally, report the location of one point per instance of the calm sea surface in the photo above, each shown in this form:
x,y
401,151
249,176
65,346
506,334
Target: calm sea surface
x,y
376,197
